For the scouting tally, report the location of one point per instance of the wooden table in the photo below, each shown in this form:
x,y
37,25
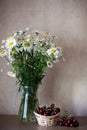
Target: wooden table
x,y
10,122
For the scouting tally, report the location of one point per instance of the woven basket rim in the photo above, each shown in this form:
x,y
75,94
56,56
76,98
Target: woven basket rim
x,y
46,116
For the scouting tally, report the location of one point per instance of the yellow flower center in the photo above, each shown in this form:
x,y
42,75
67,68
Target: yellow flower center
x,y
53,51
46,33
23,40
11,73
27,44
2,52
31,37
11,43
49,63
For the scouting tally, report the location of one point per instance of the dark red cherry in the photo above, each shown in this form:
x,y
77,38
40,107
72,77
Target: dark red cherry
x,y
52,105
45,114
64,118
67,124
60,123
71,125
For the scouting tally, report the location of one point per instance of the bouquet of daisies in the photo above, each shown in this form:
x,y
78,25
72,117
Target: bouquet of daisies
x,y
29,54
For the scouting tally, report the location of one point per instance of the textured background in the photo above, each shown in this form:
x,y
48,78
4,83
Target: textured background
x,y
66,83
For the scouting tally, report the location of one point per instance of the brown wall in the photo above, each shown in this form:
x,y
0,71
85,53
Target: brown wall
x,y
66,83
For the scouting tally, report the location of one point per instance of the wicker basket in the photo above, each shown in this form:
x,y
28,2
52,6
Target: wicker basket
x,y
47,120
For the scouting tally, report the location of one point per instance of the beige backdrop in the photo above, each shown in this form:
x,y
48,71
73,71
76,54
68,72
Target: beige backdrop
x,y
66,83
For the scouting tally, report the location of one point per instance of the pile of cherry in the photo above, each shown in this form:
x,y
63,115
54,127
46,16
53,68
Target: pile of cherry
x,y
48,111
68,121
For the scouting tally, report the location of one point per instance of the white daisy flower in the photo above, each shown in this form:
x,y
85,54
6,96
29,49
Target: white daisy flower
x,y
1,70
30,36
49,64
23,40
20,32
3,53
36,32
54,51
55,60
2,46
15,34
10,43
3,41
18,49
46,33
27,46
39,38
11,74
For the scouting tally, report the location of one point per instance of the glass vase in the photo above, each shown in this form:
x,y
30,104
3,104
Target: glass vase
x,y
29,103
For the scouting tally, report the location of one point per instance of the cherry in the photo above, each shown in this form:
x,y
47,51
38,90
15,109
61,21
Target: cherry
x,y
71,125
52,105
52,113
44,107
63,118
69,122
60,123
76,124
74,120
48,111
45,114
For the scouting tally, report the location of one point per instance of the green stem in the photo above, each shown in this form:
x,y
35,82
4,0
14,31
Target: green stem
x,y
32,104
